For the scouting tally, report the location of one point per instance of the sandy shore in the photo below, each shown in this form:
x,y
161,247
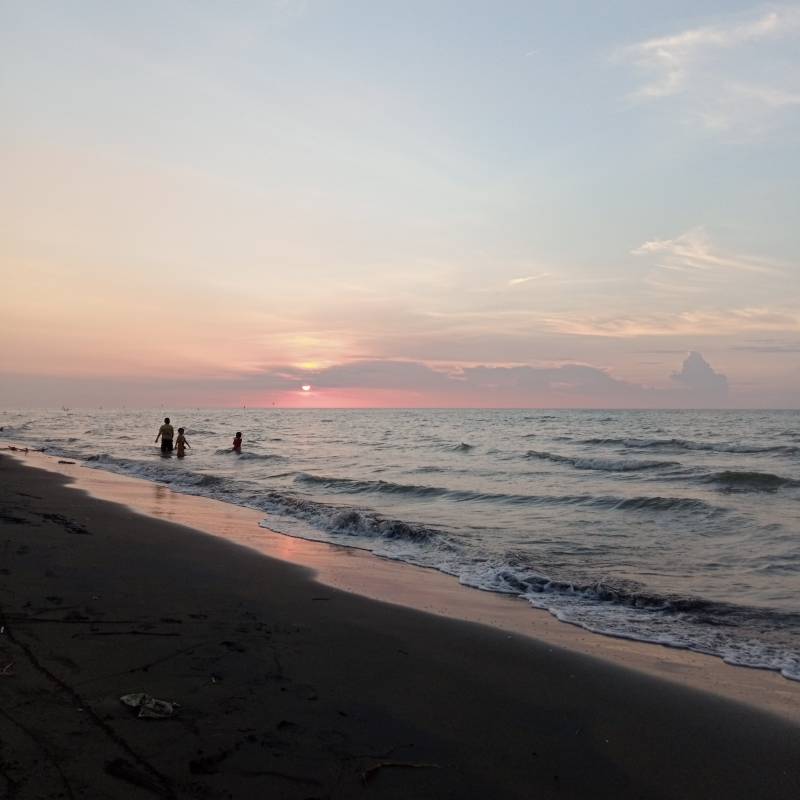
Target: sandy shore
x,y
289,687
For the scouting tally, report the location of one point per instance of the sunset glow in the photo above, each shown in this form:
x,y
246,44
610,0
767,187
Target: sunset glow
x,y
512,210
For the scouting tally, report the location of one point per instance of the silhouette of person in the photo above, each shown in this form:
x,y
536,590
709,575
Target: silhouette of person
x,y
181,443
166,432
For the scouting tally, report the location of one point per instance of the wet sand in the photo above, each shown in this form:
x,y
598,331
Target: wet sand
x,y
290,687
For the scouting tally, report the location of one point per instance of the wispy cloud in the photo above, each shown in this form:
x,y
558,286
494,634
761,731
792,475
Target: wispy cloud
x,y
671,59
694,323
697,65
769,346
527,279
694,250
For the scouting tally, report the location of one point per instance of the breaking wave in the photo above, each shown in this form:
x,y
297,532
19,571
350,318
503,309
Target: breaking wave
x,y
627,610
348,521
603,464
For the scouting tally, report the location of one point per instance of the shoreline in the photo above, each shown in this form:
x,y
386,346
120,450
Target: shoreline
x,y
425,589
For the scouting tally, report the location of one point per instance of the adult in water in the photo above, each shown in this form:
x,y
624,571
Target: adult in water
x,y
166,432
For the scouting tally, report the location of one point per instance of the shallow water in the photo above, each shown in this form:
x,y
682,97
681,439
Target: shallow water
x,y
669,526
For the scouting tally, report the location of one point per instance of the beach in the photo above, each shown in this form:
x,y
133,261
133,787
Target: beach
x,y
400,400
663,527
289,687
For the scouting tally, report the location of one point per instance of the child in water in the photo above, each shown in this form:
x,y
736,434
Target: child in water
x,y
181,443
237,442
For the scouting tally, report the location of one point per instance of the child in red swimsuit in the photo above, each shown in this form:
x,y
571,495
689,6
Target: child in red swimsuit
x,y
237,442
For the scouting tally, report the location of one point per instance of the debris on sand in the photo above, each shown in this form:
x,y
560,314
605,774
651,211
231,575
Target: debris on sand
x,y
149,707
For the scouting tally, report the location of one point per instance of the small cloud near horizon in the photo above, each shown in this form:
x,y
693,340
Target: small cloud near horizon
x,y
699,377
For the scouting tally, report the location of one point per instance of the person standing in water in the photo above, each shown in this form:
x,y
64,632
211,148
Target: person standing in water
x,y
181,443
166,432
237,442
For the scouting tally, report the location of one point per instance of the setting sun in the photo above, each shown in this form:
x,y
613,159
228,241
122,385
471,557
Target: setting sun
x,y
306,387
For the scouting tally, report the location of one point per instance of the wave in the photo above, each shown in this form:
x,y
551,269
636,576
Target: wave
x,y
688,444
603,464
349,521
742,635
647,503
201,432
608,502
249,455
736,481
512,578
179,478
463,447
353,486
210,480
10,431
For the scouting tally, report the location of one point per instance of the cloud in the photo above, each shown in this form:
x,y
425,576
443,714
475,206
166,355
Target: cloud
x,y
570,383
698,65
700,378
768,96
694,250
708,322
391,383
672,58
769,346
527,279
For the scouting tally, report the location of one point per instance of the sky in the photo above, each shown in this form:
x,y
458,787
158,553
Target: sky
x,y
400,203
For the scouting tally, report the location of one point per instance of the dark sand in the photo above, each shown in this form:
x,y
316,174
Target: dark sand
x,y
290,689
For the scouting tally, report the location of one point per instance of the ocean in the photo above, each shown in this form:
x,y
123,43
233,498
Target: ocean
x,y
675,527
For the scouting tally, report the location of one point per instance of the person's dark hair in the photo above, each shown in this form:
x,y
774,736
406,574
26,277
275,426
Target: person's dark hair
x,y
238,433
180,430
166,419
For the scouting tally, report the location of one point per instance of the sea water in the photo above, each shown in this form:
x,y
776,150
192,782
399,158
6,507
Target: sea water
x,y
676,527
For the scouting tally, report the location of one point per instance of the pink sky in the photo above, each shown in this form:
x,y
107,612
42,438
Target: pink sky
x,y
207,208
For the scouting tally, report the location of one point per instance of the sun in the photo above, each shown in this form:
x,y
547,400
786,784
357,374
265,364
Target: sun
x,y
305,387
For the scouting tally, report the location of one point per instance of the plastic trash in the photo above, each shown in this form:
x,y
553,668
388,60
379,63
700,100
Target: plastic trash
x,y
149,707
